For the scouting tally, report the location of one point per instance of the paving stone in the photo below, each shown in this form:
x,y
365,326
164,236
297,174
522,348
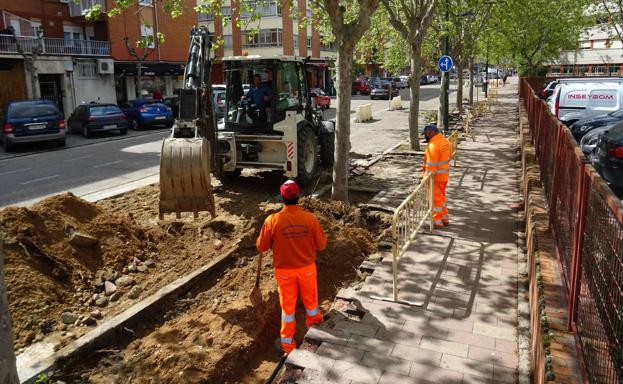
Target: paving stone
x,y
340,352
399,336
356,328
505,333
471,339
356,372
334,336
394,378
504,375
468,366
363,343
307,359
435,375
311,376
443,346
386,363
508,360
416,355
505,346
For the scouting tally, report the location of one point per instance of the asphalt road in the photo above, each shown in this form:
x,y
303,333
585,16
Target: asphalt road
x,y
111,161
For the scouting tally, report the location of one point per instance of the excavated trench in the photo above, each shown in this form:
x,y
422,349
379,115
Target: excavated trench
x,y
207,334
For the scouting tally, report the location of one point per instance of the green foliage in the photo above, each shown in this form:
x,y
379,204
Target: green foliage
x,y
42,379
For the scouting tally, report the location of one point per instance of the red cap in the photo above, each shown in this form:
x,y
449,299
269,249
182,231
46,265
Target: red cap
x,y
290,190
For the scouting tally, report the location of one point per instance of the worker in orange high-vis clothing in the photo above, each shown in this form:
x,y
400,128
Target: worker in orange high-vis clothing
x,y
437,161
295,236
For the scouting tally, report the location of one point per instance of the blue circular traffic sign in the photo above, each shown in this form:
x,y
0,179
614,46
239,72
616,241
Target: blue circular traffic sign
x,y
445,63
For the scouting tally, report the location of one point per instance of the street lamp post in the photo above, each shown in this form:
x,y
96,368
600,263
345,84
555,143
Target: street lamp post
x,y
446,75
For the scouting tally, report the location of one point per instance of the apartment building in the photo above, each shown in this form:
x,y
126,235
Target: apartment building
x,y
280,33
599,52
80,60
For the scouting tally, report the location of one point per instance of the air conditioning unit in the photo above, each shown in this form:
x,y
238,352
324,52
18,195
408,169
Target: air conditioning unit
x,y
105,66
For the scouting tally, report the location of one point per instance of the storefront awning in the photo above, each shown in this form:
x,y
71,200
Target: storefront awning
x,y
149,69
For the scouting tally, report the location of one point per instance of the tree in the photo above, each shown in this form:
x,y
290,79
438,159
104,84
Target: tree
x,y
609,14
147,47
30,50
532,37
8,371
411,19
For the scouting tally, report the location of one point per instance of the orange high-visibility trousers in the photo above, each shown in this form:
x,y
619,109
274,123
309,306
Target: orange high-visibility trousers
x,y
291,282
440,211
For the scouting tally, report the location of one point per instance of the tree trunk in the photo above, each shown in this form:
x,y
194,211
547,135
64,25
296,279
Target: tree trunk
x,y
459,87
414,89
8,371
34,76
139,79
470,65
343,79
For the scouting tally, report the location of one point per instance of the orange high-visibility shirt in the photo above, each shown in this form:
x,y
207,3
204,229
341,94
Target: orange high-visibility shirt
x,y
437,157
294,235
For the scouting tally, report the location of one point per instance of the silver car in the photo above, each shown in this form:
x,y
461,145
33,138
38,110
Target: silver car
x,y
219,102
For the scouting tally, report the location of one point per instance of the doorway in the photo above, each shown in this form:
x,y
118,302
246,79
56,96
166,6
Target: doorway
x,y
50,87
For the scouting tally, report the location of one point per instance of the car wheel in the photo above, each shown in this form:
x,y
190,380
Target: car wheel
x,y
135,125
306,155
327,149
62,142
85,132
123,132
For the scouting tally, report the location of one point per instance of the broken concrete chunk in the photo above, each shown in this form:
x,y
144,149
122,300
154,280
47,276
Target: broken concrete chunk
x,y
79,239
109,288
125,281
132,267
69,317
135,292
115,296
101,301
218,244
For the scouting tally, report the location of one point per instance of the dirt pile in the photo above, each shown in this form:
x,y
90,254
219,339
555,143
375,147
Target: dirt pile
x,y
213,335
132,255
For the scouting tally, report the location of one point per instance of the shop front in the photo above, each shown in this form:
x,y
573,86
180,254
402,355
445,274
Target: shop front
x,y
158,80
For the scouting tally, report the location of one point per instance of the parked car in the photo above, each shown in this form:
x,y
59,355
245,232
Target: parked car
x,y
573,101
143,113
432,79
405,79
219,102
173,102
221,87
28,121
90,118
400,83
608,155
548,89
423,80
322,100
381,91
589,141
360,87
583,126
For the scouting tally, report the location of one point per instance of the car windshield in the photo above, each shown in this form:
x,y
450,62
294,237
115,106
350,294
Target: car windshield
x,y
318,91
102,110
32,110
615,133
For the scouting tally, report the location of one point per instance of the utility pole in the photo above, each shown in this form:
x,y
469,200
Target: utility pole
x,y
446,75
487,72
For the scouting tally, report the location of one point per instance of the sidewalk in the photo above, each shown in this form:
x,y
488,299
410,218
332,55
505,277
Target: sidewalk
x,y
466,275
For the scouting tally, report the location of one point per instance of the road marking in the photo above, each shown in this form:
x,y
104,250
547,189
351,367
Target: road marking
x,y
77,158
41,179
15,171
106,164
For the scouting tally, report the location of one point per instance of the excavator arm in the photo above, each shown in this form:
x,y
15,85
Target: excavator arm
x,y
189,155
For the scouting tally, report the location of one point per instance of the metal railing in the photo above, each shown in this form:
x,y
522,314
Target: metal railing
x,y
54,46
586,221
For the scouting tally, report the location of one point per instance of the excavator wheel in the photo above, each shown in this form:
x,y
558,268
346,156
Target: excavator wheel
x,y
306,155
185,177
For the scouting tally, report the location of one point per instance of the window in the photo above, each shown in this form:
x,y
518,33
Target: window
x,y
147,31
203,17
264,38
614,69
80,7
296,41
271,8
228,41
86,70
146,3
332,46
226,11
287,86
309,42
309,13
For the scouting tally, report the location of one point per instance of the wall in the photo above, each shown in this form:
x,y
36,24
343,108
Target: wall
x,y
176,31
51,12
87,90
13,80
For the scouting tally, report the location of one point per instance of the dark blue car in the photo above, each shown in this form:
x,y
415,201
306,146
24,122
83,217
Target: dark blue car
x,y
144,113
29,121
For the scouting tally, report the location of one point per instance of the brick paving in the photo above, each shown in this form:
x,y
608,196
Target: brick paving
x,y
465,276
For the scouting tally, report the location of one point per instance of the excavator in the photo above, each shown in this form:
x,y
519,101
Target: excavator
x,y
273,126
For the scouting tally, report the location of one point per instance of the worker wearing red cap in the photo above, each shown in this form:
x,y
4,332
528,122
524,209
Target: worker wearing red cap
x,y
437,161
295,236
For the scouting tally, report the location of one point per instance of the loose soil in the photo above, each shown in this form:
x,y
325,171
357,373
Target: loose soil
x,y
212,334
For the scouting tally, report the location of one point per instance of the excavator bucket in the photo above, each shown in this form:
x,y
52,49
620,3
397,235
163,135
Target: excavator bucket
x,y
185,177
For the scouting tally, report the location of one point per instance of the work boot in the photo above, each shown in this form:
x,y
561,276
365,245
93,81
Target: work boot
x,y
438,226
278,346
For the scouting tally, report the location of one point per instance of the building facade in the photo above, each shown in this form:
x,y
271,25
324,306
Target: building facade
x,y
599,52
280,33
78,60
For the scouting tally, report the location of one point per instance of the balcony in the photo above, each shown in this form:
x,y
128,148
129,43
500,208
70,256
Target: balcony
x,y
54,46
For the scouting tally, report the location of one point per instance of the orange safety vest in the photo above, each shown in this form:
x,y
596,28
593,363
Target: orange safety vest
x,y
437,157
294,235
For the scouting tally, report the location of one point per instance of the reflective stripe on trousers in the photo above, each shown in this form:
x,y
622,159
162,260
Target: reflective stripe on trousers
x,y
292,283
440,211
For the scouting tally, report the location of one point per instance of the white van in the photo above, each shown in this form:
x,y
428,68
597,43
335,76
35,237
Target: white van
x,y
573,101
